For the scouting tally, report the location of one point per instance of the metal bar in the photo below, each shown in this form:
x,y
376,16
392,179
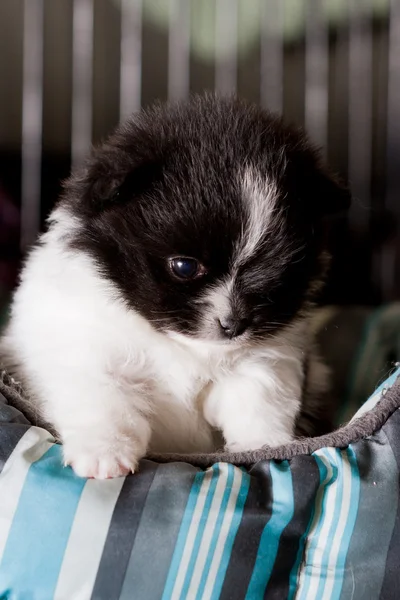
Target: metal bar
x,y
32,120
131,57
82,75
390,265
179,49
338,109
360,112
316,73
226,24
271,64
393,109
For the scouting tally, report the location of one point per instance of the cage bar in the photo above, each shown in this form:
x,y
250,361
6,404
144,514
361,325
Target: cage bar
x,y
32,120
316,73
179,49
390,260
360,112
131,57
226,31
271,64
82,79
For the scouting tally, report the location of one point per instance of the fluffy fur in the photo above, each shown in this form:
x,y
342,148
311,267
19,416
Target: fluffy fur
x,y
120,354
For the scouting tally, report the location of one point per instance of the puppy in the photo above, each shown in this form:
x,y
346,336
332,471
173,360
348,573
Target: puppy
x,y
169,300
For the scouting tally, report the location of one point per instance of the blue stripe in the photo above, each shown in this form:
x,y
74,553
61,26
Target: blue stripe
x,y
294,575
282,513
217,530
351,519
316,536
227,551
200,530
183,531
41,527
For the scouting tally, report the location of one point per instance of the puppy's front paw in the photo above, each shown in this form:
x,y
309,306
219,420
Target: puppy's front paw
x,y
100,458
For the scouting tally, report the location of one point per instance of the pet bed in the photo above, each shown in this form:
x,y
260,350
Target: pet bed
x,y
319,518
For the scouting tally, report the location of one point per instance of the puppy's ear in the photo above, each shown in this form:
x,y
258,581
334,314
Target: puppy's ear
x,y
317,190
111,176
139,180
330,195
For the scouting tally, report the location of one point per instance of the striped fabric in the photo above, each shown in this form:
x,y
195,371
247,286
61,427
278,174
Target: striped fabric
x,y
316,527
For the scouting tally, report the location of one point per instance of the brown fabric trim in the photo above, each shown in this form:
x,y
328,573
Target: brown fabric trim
x,y
360,428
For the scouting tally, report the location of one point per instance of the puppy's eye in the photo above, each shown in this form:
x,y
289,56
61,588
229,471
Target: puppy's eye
x,y
186,268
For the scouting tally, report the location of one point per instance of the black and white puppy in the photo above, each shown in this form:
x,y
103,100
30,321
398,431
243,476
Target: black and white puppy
x,y
170,297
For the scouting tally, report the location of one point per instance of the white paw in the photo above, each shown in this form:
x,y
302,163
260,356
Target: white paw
x,y
99,458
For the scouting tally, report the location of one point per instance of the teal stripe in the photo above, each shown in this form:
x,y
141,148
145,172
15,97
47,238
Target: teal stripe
x,y
294,575
322,511
351,519
180,542
236,519
282,513
41,527
217,530
200,531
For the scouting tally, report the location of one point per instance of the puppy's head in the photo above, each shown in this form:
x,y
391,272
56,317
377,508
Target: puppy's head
x,y
208,217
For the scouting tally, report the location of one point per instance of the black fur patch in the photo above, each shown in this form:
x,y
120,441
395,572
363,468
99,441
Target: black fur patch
x,y
167,183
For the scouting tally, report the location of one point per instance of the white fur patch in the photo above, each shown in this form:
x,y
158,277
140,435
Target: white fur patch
x,y
259,197
217,305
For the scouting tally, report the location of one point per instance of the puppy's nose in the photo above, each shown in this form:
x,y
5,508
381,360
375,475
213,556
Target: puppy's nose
x,y
233,327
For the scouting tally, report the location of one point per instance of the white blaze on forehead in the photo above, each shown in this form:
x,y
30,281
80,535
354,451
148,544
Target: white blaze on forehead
x,y
259,198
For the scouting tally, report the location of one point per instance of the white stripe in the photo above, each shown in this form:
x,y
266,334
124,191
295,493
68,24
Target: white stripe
x,y
208,530
342,522
87,538
314,545
367,406
378,394
29,449
191,536
225,529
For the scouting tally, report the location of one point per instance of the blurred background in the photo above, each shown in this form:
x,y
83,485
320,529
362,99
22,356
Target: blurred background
x,y
71,69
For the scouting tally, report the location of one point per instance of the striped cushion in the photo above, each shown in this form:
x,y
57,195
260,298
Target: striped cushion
x,y
319,526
